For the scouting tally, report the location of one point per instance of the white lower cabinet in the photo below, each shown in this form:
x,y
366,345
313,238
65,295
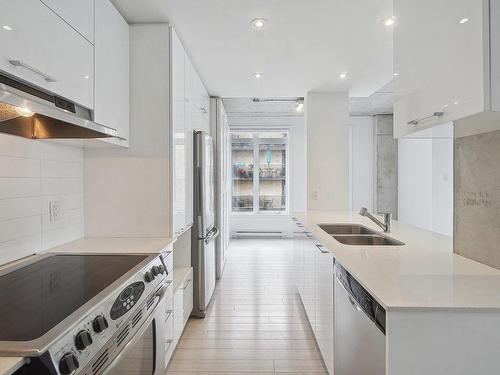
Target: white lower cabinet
x,y
309,289
181,308
315,285
35,49
323,306
178,315
169,328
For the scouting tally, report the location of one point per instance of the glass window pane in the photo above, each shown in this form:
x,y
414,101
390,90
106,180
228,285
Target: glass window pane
x,y
272,174
243,168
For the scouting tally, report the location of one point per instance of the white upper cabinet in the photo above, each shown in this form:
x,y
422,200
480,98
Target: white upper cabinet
x,y
79,14
442,61
40,48
112,55
180,169
197,97
190,104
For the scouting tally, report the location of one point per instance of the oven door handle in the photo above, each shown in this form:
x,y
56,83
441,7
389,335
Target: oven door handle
x,y
160,294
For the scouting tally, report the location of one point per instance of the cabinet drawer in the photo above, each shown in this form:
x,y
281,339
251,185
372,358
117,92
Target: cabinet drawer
x,y
169,337
178,315
168,259
45,51
169,297
169,324
78,13
188,300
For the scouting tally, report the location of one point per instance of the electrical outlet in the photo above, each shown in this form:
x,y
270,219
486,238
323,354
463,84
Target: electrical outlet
x,y
55,210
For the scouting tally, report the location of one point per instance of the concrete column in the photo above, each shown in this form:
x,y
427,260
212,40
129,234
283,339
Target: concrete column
x,y
386,166
327,116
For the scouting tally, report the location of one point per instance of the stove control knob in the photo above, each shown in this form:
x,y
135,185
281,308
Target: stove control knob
x,y
100,324
83,340
155,270
161,268
149,276
68,364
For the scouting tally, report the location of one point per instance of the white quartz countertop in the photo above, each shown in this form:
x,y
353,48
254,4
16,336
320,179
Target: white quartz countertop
x,y
118,245
9,365
424,273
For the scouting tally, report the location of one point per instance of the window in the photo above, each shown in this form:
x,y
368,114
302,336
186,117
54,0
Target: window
x,y
259,171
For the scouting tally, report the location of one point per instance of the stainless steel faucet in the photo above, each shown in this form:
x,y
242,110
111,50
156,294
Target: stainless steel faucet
x,y
386,225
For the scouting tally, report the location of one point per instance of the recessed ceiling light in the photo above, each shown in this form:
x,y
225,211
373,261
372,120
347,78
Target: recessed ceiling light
x,y
343,75
258,23
7,27
257,75
396,74
389,21
464,20
86,76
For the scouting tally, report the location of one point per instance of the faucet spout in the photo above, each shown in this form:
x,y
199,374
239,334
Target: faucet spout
x,y
386,225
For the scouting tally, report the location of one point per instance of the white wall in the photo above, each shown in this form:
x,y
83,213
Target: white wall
x,y
297,160
426,180
327,119
32,173
361,163
127,190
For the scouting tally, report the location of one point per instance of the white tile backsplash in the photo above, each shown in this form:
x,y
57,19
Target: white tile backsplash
x,y
20,187
33,173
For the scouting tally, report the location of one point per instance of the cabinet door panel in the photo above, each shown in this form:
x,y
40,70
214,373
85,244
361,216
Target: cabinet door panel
x,y
298,246
440,62
189,174
55,57
309,281
178,315
179,126
112,47
324,307
78,13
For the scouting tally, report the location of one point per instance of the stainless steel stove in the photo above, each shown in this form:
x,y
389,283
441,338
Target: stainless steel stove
x,y
74,313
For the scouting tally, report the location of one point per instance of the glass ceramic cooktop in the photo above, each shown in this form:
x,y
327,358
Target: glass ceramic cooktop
x,y
37,297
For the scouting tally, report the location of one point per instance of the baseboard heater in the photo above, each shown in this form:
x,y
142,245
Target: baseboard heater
x,y
258,233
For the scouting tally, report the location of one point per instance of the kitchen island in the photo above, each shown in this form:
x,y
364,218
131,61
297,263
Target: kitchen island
x,y
442,310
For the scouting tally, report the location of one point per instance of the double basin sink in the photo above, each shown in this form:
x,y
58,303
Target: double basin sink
x,y
358,235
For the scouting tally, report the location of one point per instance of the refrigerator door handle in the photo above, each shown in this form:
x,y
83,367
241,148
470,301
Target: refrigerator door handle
x,y
212,235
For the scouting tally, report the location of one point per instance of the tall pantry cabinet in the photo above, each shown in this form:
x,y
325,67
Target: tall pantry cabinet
x,y
190,112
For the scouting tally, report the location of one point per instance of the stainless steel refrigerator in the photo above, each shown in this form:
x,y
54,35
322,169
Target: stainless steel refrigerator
x,y
204,230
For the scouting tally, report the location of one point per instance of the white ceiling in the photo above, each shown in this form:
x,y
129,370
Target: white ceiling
x,y
305,46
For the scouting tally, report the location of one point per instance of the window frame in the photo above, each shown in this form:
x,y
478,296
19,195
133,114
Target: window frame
x,y
257,141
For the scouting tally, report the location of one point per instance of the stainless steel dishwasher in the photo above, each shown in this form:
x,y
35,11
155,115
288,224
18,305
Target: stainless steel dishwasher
x,y
359,328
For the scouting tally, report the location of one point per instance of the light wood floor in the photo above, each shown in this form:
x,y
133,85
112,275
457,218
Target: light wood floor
x,y
255,323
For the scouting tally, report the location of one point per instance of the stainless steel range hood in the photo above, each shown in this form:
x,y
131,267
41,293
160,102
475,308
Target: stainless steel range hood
x,y
29,112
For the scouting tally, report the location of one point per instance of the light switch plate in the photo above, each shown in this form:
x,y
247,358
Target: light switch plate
x,y
315,195
55,210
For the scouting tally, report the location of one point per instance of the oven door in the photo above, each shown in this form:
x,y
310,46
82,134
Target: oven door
x,y
144,354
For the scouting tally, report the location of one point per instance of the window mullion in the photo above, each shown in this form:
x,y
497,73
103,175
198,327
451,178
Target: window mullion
x,y
256,174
